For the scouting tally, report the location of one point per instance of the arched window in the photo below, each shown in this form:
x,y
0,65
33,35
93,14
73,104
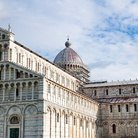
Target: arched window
x,y
16,56
95,92
10,54
106,91
114,128
57,117
19,57
49,88
38,67
3,36
29,60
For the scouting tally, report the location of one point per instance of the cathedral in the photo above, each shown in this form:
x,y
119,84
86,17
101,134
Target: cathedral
x,y
43,99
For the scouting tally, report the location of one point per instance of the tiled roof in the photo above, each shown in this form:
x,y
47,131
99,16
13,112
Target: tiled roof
x,y
118,100
115,83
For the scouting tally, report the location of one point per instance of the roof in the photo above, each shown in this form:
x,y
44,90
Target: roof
x,y
44,59
115,83
118,100
4,30
67,56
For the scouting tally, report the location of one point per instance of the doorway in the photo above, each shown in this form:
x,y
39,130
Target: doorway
x,y
14,132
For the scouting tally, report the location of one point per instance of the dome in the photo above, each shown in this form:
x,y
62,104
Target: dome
x,y
68,56
69,60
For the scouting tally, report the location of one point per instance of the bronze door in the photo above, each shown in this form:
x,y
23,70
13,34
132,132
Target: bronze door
x,y
14,132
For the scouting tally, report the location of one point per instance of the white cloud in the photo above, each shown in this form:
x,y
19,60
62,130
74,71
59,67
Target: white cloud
x,y
103,32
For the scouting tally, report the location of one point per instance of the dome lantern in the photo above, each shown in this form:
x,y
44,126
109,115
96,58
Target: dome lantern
x,y
68,43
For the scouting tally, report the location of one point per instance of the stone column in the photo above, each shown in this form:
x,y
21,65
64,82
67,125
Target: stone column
x,y
3,92
71,128
21,91
22,126
3,53
5,126
90,127
22,59
14,73
15,92
84,128
51,93
58,125
78,127
8,54
4,74
9,93
26,91
66,126
23,74
53,125
74,127
62,125
9,72
32,90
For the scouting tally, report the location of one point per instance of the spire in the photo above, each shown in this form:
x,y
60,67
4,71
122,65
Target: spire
x,y
68,37
67,43
9,29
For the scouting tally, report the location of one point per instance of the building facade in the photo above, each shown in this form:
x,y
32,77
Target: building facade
x,y
41,99
118,109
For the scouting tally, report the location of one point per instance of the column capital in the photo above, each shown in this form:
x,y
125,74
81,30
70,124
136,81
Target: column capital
x,y
15,86
9,87
4,66
4,86
21,86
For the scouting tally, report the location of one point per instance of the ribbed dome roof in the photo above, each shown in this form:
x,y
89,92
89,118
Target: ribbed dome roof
x,y
68,55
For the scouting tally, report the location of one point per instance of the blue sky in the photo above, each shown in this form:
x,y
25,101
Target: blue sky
x,y
103,32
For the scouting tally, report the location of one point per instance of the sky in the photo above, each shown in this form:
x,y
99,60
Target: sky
x,y
104,33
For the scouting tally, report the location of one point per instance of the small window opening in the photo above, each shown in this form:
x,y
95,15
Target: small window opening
x,y
106,91
57,117
126,108
134,91
111,108
18,74
3,36
17,92
118,108
114,128
95,93
135,107
119,91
